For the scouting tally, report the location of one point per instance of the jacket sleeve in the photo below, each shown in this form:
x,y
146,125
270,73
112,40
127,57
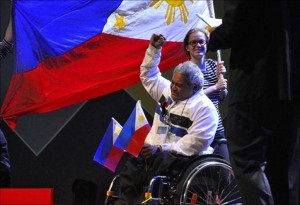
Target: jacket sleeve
x,y
150,75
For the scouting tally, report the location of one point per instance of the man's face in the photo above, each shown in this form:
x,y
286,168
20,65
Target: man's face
x,y
180,89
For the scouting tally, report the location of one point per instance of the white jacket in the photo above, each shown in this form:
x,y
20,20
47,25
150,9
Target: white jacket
x,y
193,121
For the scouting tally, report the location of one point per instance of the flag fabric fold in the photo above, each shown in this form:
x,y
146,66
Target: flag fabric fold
x,y
134,132
107,154
71,51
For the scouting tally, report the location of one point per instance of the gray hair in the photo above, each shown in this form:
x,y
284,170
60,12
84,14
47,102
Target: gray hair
x,y
192,73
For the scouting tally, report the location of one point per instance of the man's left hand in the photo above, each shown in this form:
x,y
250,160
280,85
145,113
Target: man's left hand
x,y
148,151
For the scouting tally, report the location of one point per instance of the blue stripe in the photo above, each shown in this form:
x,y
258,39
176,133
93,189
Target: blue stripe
x,y
105,145
179,132
50,28
127,132
159,112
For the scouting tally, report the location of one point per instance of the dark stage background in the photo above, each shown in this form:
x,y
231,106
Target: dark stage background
x,y
56,149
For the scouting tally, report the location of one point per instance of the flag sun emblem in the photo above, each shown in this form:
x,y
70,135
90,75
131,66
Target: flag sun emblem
x,y
171,10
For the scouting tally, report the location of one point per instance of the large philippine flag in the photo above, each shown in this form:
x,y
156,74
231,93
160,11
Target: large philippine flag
x,y
134,131
107,154
71,51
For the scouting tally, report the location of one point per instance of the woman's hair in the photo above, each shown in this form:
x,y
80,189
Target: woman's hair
x,y
192,73
187,36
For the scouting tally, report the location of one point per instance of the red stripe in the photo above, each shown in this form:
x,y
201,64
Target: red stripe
x,y
100,66
113,158
137,141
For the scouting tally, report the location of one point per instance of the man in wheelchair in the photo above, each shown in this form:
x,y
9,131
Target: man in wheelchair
x,y
184,125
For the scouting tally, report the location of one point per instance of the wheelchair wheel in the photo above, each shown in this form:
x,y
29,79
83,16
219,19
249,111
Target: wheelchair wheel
x,y
208,181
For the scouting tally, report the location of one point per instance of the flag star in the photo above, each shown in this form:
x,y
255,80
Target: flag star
x,y
119,22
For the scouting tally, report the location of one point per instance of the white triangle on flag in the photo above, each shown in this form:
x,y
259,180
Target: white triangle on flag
x,y
116,129
140,118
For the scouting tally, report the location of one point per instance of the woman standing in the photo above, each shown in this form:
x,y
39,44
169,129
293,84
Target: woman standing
x,y
195,46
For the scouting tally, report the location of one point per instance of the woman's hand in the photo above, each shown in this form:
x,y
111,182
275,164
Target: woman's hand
x,y
220,68
221,84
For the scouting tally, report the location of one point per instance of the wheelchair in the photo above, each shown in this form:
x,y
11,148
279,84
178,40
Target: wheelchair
x,y
207,180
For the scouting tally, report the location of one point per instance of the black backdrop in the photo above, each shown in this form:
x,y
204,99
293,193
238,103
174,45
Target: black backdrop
x,y
70,155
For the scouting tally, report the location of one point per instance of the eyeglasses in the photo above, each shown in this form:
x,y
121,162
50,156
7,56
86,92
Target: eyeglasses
x,y
195,42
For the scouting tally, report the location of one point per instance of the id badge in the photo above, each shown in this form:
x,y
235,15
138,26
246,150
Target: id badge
x,y
161,134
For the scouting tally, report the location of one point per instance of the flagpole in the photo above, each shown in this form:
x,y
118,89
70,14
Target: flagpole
x,y
211,10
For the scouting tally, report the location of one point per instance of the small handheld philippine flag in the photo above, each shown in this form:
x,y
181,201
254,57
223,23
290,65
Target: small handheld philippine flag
x,y
134,132
107,154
